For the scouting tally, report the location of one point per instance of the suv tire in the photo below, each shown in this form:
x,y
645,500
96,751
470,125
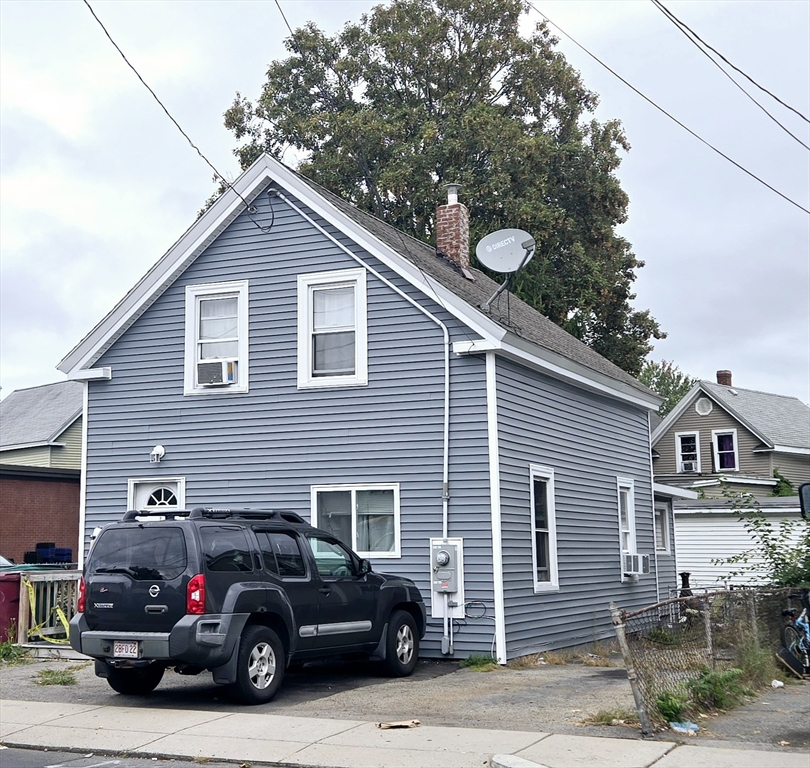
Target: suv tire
x,y
402,644
135,681
260,666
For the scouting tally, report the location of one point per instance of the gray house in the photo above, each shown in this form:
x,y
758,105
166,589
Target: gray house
x,y
290,351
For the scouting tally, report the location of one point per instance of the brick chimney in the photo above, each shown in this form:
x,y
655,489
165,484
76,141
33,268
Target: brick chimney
x,y
453,229
724,378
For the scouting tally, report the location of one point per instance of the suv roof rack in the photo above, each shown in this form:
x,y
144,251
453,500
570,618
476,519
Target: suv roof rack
x,y
173,514
214,513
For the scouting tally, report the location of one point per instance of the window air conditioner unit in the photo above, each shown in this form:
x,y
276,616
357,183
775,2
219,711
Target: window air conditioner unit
x,y
634,564
216,373
688,466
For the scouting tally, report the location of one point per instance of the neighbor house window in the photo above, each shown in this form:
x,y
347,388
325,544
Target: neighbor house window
x,y
364,517
216,353
627,515
661,520
544,531
687,451
332,348
724,445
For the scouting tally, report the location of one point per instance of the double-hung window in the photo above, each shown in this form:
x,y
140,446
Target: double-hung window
x,y
544,530
661,520
332,334
724,448
687,451
627,515
216,348
364,517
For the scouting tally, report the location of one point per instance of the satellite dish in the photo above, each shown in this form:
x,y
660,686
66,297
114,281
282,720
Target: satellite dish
x,y
506,250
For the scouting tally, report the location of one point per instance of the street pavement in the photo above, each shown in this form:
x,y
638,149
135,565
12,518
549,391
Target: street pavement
x,y
308,742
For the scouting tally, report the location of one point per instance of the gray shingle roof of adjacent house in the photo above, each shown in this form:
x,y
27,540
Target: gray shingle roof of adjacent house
x,y
38,415
782,420
522,319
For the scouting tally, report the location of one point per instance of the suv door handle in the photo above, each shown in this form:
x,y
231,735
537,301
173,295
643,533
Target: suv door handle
x,y
325,590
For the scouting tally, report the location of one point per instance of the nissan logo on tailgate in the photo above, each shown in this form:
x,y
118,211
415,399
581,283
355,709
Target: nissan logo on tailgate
x,y
154,590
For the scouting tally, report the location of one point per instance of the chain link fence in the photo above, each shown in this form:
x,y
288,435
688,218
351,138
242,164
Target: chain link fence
x,y
671,647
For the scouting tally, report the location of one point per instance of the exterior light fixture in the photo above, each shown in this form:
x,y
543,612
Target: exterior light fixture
x,y
158,452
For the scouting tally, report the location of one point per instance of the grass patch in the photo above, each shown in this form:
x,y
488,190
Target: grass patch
x,y
531,661
556,658
11,653
479,662
59,676
616,716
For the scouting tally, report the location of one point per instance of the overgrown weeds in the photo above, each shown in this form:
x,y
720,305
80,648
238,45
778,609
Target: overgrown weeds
x,y
616,716
479,662
11,653
64,676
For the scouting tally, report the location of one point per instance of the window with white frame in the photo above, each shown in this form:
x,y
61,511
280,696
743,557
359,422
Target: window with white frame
x,y
687,451
544,530
216,349
627,515
364,517
724,448
661,525
155,493
332,333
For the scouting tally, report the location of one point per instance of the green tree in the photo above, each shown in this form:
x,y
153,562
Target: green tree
x,y
420,93
666,380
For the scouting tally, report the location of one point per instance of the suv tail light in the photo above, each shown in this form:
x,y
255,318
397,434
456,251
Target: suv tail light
x,y
195,594
81,600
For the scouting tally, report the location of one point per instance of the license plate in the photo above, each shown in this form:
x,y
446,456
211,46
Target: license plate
x,y
125,649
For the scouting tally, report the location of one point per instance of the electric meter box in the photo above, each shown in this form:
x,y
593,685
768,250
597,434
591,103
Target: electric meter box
x,y
444,565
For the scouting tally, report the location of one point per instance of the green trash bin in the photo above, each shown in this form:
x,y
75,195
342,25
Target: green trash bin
x,y
9,604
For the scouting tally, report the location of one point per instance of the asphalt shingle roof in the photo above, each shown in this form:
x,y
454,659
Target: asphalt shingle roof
x,y
39,414
781,419
522,319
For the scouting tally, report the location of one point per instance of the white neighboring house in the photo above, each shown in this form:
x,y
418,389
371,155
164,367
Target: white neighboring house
x,y
709,529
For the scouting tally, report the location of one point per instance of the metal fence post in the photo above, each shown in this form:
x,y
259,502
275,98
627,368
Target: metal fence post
x,y
618,625
752,606
707,621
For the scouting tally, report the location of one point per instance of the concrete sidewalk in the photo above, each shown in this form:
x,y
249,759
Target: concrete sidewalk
x,y
320,743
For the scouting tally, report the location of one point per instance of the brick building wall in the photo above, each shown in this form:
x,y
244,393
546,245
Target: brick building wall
x,y
38,505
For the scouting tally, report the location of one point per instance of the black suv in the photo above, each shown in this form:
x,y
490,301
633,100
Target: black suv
x,y
242,593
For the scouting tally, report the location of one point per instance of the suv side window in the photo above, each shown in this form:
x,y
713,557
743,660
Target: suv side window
x,y
332,559
281,553
225,549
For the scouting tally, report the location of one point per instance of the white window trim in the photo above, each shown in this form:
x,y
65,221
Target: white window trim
x,y
715,434
665,508
547,474
306,283
624,483
194,292
678,454
392,555
134,482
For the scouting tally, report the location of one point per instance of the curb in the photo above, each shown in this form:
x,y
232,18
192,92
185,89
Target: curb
x,y
513,761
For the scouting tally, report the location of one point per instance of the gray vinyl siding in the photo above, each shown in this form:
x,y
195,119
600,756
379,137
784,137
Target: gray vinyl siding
x,y
750,463
794,467
266,448
588,441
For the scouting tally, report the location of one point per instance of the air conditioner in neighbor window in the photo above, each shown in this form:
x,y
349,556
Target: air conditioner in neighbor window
x,y
689,466
634,564
216,373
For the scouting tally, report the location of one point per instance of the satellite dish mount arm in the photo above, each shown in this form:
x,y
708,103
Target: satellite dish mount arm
x,y
507,284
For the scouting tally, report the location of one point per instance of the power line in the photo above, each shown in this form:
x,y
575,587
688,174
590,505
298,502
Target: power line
x,y
278,5
693,38
671,117
677,21
217,174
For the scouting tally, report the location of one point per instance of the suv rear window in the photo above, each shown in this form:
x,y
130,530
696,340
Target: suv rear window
x,y
143,553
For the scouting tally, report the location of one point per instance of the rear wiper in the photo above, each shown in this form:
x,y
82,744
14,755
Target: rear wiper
x,y
118,569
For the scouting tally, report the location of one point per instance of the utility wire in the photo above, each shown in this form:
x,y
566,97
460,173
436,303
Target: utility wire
x,y
693,38
671,117
278,5
250,209
677,21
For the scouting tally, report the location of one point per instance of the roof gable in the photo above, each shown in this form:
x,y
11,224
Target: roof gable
x,y
525,333
38,415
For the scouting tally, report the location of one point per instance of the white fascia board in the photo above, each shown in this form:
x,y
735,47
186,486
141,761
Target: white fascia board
x,y
473,347
21,446
561,367
676,412
196,238
789,449
674,492
88,374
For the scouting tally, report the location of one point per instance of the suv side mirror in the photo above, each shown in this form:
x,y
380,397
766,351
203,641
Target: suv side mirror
x,y
365,565
804,499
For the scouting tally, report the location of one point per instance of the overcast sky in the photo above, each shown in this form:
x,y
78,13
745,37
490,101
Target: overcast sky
x,y
97,184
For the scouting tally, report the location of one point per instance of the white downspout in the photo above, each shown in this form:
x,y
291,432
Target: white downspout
x,y
652,493
83,475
